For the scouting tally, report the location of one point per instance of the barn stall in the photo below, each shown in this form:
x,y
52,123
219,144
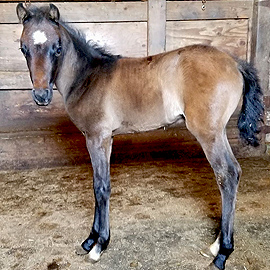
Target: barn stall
x,y
32,136
35,137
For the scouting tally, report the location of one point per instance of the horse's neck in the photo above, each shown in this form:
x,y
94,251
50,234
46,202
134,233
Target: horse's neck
x,y
69,70
66,73
78,66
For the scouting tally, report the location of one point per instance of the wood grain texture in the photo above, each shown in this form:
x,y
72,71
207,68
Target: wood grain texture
x,y
10,80
32,136
260,56
217,10
86,11
37,150
127,39
156,26
261,42
229,35
11,58
19,113
45,149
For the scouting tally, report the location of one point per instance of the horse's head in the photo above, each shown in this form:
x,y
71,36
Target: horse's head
x,y
41,46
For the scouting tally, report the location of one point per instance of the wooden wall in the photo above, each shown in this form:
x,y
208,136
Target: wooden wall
x,y
32,136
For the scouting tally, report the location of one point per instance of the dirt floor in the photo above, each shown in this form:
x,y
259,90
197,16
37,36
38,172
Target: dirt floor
x,y
163,213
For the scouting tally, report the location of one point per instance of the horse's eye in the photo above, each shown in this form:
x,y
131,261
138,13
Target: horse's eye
x,y
58,51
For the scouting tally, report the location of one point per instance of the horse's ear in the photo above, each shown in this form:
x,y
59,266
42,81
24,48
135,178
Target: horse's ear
x,y
22,13
54,13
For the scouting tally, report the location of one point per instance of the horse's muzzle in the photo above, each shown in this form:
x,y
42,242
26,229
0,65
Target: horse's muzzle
x,y
42,97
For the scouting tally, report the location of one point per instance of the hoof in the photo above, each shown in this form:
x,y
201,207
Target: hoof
x,y
95,254
206,252
94,245
80,251
214,248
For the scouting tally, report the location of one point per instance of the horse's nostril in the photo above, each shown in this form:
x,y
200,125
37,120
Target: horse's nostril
x,y
42,96
42,93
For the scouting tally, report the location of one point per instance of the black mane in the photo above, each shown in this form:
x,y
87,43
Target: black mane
x,y
88,49
94,61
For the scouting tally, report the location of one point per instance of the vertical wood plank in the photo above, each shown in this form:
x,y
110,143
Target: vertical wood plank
x,y
156,26
260,51
260,56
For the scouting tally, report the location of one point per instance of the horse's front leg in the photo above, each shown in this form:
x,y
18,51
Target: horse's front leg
x,y
99,148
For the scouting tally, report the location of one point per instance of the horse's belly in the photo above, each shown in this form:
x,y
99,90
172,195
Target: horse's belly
x,y
151,119
151,111
173,105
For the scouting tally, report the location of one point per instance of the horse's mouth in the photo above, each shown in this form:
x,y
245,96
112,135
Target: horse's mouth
x,y
42,103
45,103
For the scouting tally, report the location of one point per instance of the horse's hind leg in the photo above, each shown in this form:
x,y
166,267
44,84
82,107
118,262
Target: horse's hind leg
x,y
227,171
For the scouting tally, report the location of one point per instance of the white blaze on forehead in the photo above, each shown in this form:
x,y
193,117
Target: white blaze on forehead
x,y
39,37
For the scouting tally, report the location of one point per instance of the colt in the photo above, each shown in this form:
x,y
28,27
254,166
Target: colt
x,y
106,95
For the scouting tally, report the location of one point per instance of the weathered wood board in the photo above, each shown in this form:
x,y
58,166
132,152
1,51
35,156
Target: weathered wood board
x,y
261,56
230,35
156,26
137,11
87,12
19,113
31,136
215,10
108,35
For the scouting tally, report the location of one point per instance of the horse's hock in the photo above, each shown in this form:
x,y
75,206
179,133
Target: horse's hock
x,y
31,136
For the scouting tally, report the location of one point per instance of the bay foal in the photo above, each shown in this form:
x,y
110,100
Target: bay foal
x,y
106,95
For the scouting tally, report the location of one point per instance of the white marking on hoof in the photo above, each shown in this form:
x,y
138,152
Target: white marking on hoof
x,y
214,248
95,254
39,37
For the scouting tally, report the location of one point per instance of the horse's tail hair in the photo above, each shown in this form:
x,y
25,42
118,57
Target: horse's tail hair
x,y
252,111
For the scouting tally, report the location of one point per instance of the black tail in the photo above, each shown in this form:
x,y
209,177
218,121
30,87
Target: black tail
x,y
251,115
